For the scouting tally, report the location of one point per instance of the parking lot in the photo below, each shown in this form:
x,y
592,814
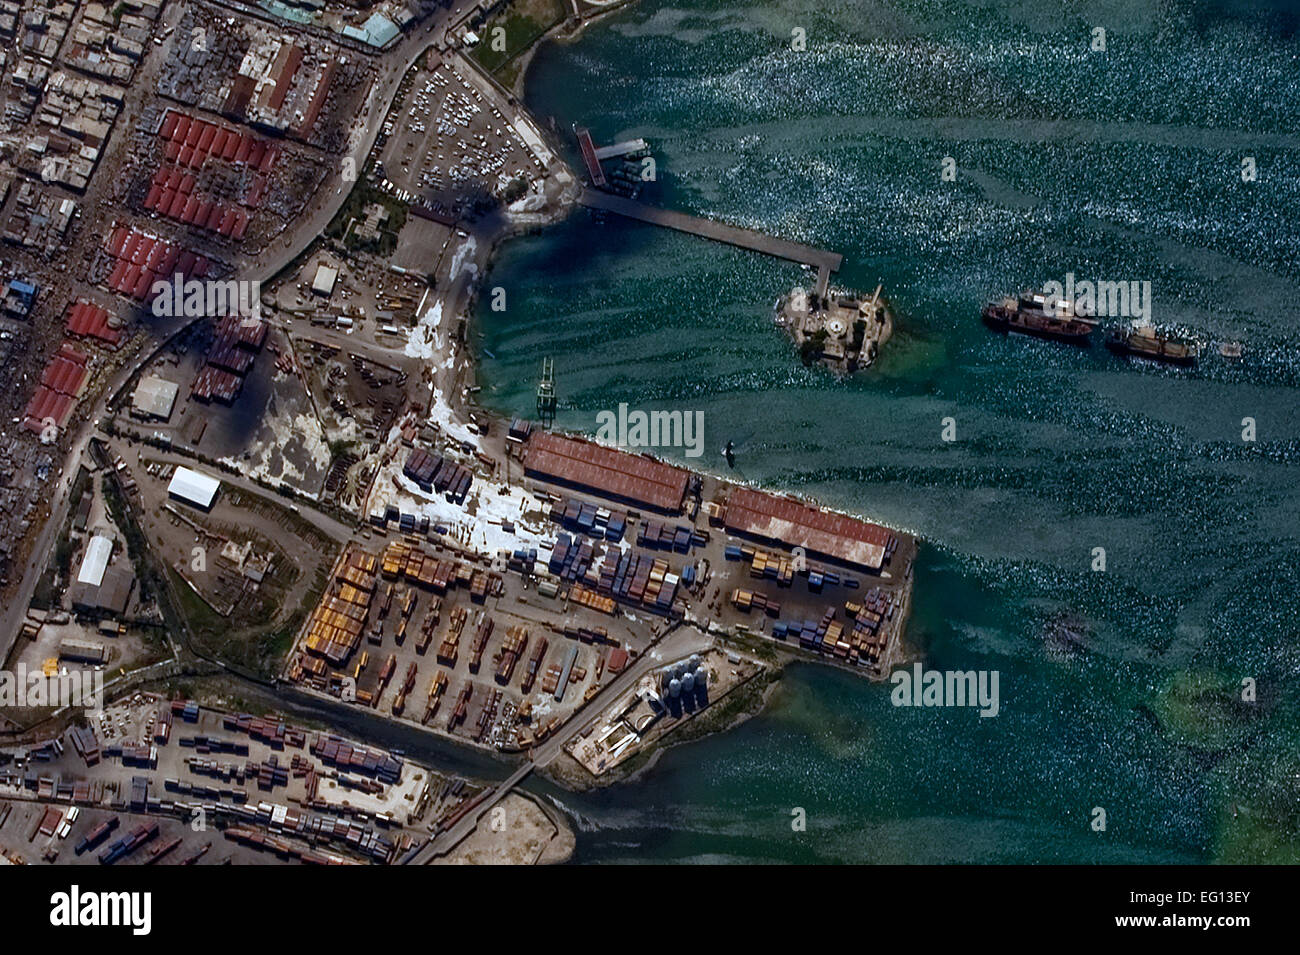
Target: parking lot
x,y
448,147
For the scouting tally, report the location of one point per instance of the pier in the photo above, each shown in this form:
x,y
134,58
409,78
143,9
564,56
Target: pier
x,y
825,262
589,156
618,150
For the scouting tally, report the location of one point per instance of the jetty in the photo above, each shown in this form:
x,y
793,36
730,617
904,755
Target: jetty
x,y
823,261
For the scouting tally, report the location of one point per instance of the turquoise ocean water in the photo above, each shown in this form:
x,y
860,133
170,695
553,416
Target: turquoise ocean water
x,y
1116,165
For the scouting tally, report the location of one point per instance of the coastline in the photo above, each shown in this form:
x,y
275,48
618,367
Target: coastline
x,y
743,702
566,772
1007,505
566,30
471,363
739,706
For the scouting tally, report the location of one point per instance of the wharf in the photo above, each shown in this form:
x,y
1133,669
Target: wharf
x,y
825,262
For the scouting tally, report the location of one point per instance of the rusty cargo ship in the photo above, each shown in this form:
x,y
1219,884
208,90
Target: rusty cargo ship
x,y
1033,314
1143,341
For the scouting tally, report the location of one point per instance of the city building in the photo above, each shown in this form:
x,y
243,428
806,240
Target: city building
x,y
323,283
154,398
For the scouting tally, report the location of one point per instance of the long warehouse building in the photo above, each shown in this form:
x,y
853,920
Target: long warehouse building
x,y
785,521
630,478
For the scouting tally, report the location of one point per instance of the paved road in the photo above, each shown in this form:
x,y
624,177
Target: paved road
x,y
679,643
323,522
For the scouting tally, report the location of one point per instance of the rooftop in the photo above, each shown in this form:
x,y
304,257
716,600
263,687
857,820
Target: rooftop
x,y
793,523
155,397
95,562
323,283
193,487
629,477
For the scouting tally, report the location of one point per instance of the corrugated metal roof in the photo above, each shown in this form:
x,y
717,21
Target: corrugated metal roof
x,y
628,477
95,562
380,31
820,532
155,396
325,279
194,487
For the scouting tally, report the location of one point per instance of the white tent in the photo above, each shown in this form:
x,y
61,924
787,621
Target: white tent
x,y
193,488
95,562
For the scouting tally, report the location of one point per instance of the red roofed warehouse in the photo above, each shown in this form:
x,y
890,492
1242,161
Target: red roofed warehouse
x,y
632,478
791,523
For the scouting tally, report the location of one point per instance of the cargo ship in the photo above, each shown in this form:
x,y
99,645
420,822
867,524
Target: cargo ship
x,y
1033,314
1143,341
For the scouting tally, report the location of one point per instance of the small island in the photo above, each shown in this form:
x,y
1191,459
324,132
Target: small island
x,y
841,331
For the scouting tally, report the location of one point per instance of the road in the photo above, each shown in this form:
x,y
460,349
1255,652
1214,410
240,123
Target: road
x,y
678,643
323,522
263,268
393,357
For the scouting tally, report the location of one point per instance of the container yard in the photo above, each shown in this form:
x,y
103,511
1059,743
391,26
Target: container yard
x,y
501,649
265,789
836,615
434,473
451,644
231,176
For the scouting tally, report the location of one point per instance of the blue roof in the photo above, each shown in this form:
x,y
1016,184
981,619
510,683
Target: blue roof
x,y
286,12
381,31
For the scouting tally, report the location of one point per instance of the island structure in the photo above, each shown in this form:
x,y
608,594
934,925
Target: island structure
x,y
841,331
252,518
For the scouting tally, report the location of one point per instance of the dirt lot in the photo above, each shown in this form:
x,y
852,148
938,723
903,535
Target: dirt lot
x,y
517,832
215,556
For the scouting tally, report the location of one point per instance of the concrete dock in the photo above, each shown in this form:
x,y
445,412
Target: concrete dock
x,y
825,262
